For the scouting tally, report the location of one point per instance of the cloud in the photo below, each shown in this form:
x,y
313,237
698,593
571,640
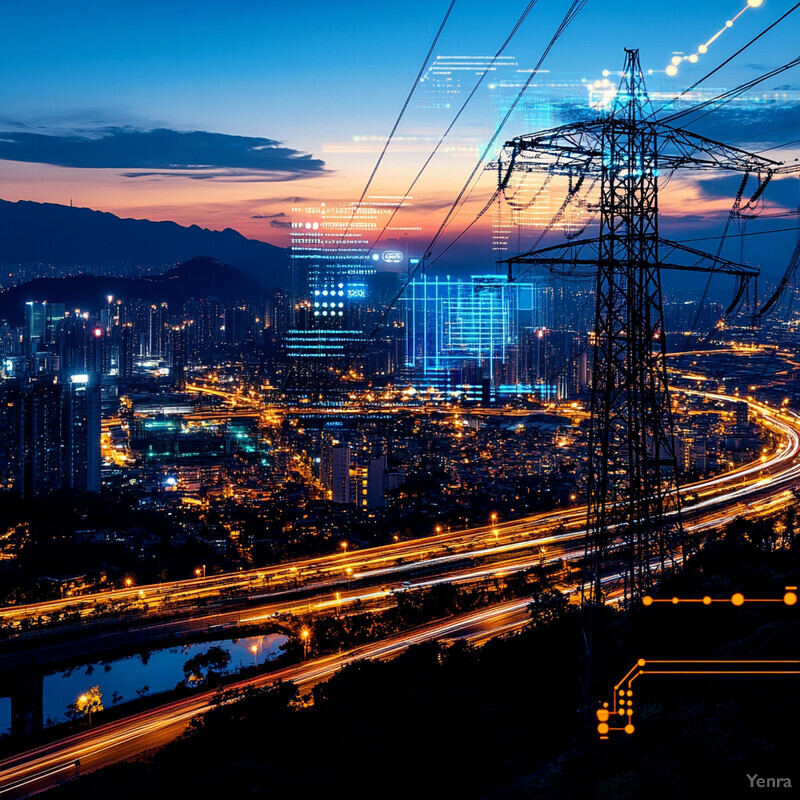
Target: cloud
x,y
780,192
163,153
268,216
748,125
278,223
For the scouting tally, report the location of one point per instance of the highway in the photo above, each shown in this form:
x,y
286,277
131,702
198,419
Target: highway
x,y
46,766
514,544
754,489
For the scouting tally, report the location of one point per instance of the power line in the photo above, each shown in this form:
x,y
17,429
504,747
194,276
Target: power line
x,y
729,59
573,11
397,121
455,119
737,235
726,97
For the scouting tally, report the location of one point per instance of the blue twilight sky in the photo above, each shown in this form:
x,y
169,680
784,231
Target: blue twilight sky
x,y
299,82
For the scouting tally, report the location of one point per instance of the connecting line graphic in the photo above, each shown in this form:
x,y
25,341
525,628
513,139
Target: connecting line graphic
x,y
737,599
617,715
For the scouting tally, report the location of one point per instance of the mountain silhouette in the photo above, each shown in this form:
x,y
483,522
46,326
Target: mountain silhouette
x,y
47,233
199,277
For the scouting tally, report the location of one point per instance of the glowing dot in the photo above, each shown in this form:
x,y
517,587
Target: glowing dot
x,y
676,60
706,601
754,3
675,601
702,49
602,714
641,662
621,712
606,73
693,58
672,70
629,712
602,728
629,728
737,599
622,693
630,692
790,598
647,600
729,24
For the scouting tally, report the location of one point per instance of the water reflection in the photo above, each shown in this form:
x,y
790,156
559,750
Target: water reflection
x,y
142,675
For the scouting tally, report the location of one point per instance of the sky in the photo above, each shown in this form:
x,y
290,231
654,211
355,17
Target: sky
x,y
228,114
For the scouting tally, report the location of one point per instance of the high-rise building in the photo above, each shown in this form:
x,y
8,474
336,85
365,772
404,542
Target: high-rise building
x,y
331,268
742,411
12,440
127,349
180,335
341,489
35,326
376,481
82,433
42,435
157,336
463,336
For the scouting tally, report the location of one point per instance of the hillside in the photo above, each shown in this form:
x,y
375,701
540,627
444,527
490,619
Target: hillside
x,y
55,234
199,277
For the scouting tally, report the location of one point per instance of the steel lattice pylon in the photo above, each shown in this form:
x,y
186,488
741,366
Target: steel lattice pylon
x,y
632,466
634,518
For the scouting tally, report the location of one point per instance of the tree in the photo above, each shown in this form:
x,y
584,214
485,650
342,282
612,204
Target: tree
x,y
547,606
85,705
201,668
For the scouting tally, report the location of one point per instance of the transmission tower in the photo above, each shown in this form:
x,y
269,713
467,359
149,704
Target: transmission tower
x,y
634,526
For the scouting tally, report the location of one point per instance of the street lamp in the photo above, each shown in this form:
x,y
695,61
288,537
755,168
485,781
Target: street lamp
x,y
201,570
344,547
128,582
305,633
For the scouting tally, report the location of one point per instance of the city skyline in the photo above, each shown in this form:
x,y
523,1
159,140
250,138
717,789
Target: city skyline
x,y
487,441
133,116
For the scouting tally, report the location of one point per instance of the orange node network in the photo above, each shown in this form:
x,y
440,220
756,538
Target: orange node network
x,y
737,599
675,600
630,692
706,601
602,714
629,728
647,600
790,598
641,662
602,728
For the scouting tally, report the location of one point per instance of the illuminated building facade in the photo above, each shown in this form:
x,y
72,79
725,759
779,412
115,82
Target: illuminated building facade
x,y
465,337
82,433
332,268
